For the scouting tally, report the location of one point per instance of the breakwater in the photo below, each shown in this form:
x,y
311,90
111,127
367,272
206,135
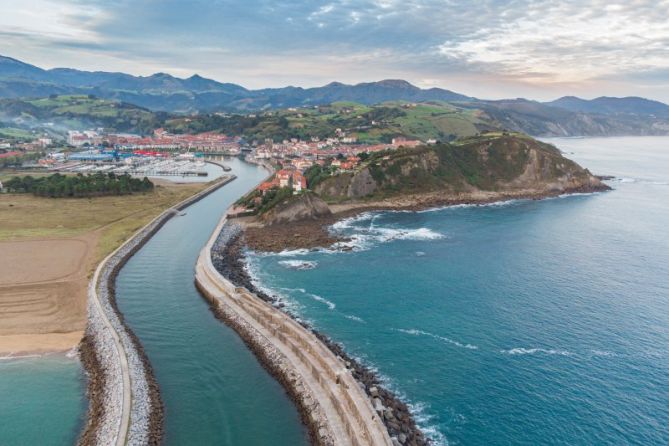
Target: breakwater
x,y
125,405
332,403
228,259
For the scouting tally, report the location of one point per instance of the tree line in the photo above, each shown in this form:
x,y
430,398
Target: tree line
x,y
91,185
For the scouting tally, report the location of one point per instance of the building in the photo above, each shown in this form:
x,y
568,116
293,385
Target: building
x,y
283,176
299,182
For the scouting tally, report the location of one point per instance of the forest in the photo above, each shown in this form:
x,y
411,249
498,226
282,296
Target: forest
x,y
91,185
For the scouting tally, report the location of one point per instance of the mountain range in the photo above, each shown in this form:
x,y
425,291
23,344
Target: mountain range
x,y
567,116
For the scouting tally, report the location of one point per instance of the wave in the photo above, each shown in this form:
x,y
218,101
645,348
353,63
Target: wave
x,y
532,351
416,332
299,264
355,318
331,305
290,306
366,238
424,421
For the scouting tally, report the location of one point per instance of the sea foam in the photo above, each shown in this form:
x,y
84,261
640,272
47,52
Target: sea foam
x,y
416,332
299,264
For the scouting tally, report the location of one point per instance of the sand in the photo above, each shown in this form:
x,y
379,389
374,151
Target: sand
x,y
43,293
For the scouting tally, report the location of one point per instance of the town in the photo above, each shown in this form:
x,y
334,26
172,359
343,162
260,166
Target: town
x,y
167,154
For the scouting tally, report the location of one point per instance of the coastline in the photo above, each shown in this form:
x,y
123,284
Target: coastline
x,y
124,398
337,410
400,423
310,234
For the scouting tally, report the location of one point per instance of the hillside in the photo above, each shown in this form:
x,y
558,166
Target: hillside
x,y
634,106
478,169
482,169
368,124
77,112
549,120
161,92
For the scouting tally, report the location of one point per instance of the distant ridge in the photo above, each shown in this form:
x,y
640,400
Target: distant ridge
x,y
613,106
162,91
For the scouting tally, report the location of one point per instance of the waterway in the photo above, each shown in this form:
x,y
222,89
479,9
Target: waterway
x,y
214,389
521,323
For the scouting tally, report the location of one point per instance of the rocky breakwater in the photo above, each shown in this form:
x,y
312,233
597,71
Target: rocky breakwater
x,y
227,258
124,400
333,404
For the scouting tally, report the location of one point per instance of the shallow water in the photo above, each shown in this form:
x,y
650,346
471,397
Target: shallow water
x,y
526,322
214,390
42,400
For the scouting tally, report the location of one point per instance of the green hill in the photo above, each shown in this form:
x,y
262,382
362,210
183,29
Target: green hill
x,y
482,168
78,112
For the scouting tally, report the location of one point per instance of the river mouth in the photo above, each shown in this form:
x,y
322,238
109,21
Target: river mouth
x,y
213,389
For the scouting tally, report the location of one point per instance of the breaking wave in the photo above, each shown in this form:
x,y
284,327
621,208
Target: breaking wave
x,y
415,332
331,305
299,264
533,351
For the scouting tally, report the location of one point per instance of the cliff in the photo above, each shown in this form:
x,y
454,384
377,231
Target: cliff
x,y
306,206
490,165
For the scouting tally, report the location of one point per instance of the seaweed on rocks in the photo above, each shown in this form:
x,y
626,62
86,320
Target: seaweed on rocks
x,y
228,259
95,390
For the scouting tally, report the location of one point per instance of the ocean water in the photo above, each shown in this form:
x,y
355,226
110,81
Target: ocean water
x,y
42,400
519,323
213,388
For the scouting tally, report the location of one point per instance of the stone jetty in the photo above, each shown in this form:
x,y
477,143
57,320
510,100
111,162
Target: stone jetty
x,y
333,405
124,399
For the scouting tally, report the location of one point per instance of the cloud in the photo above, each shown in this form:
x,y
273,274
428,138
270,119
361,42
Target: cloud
x,y
518,46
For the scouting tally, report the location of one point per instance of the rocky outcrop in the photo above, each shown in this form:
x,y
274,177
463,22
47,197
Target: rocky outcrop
x,y
306,206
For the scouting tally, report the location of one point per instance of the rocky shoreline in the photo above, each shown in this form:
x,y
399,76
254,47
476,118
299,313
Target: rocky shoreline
x,y
228,259
102,359
309,234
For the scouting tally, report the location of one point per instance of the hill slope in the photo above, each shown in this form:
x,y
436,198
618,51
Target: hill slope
x,y
77,112
482,168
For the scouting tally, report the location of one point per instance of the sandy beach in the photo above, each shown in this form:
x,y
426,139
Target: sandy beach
x,y
43,293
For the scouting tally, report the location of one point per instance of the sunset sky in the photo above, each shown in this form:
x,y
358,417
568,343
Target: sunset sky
x,y
489,49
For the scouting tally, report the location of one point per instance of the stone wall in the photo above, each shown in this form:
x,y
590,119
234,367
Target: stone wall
x,y
125,405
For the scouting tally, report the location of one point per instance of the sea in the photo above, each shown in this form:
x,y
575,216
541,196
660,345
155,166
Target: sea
x,y
524,322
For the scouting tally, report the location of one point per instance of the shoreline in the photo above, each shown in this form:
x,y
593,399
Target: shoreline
x,y
312,234
398,422
124,398
337,410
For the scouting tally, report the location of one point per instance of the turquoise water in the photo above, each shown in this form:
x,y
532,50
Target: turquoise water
x,y
42,401
214,390
528,322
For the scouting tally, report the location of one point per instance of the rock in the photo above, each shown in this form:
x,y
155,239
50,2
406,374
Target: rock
x,y
395,441
374,391
402,438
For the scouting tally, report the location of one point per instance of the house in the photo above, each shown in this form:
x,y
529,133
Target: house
x,y
299,182
267,186
283,176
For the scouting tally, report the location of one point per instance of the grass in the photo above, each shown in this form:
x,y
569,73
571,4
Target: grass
x,y
10,132
24,216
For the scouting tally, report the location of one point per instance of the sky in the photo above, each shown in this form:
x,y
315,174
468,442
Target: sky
x,y
537,49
